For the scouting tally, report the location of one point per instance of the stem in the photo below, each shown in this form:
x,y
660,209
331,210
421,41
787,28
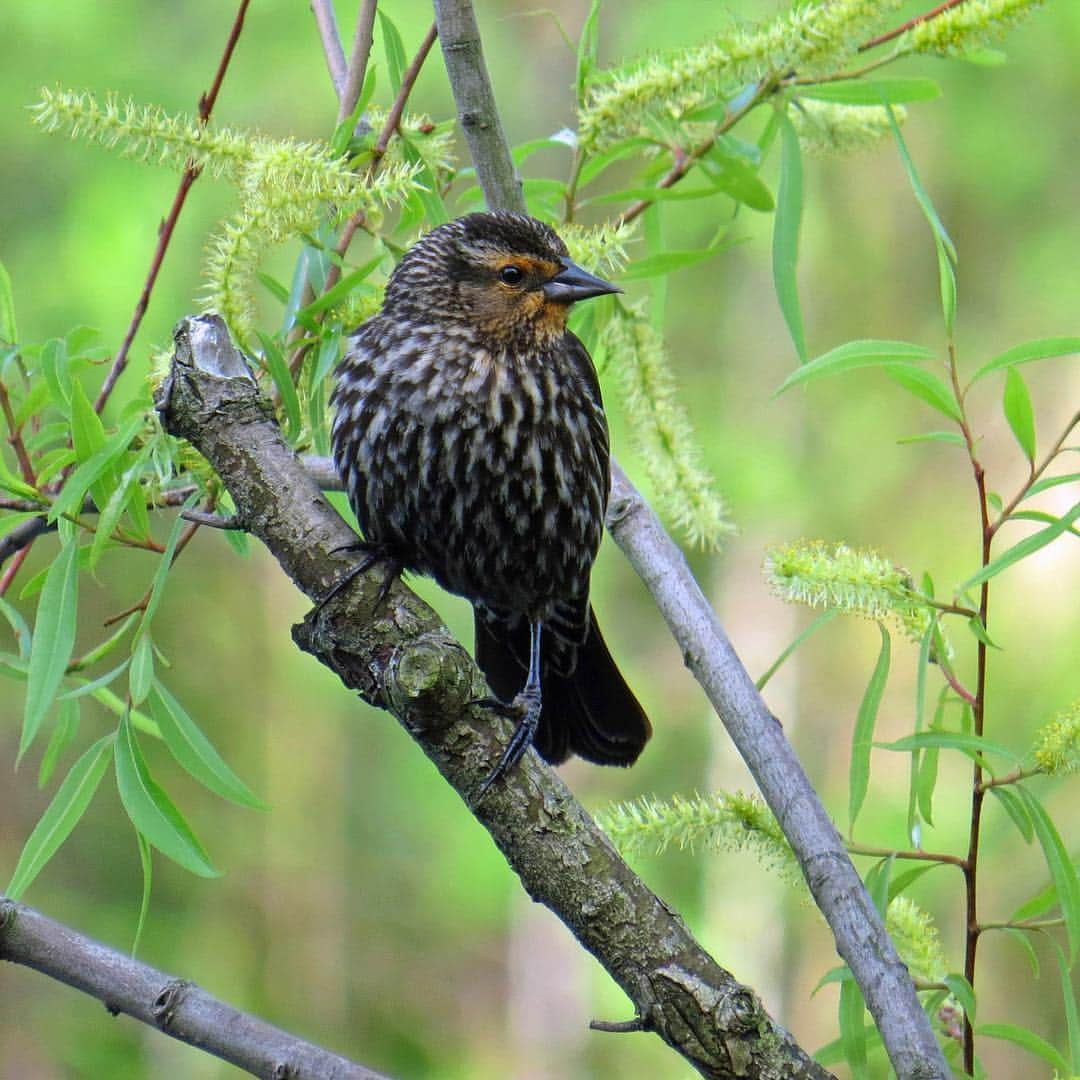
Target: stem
x,y
358,60
15,438
165,234
910,24
326,21
1010,778
920,856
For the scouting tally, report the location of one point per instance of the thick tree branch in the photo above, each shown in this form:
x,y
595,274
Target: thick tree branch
x,y
174,1006
400,657
860,934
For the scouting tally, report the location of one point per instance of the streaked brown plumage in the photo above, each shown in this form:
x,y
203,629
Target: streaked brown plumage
x,y
471,437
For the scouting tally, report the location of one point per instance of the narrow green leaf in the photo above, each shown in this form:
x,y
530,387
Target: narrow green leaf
x,y
926,783
344,287
733,176
17,486
395,51
785,246
903,881
1022,938
914,801
1028,1040
54,639
62,814
1068,998
617,152
273,287
1041,349
953,438
8,330
1037,906
975,625
821,620
874,92
141,672
92,686
118,500
429,196
863,737
1048,482
1022,550
152,812
926,386
67,727
97,473
19,627
88,437
853,1028
283,381
194,751
921,197
963,991
665,263
1062,872
1013,805
54,366
1018,411
946,285
856,354
972,745
587,50
878,883
157,587
146,862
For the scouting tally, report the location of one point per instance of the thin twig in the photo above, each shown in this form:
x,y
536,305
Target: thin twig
x,y
326,21
15,438
918,856
165,233
910,24
1009,778
358,60
13,569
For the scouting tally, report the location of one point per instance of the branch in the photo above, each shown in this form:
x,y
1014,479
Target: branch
x,y
174,1006
326,21
459,38
358,60
400,657
861,938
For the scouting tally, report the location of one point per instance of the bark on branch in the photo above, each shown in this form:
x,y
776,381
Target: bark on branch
x,y
174,1006
400,657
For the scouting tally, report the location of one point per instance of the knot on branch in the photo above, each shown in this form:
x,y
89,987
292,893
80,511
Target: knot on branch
x,y
168,1001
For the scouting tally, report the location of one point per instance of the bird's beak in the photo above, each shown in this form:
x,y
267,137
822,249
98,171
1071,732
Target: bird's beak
x,y
572,283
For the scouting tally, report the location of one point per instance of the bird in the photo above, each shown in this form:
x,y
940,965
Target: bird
x,y
470,435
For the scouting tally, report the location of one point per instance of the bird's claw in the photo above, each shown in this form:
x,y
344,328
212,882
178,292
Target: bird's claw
x,y
525,711
372,553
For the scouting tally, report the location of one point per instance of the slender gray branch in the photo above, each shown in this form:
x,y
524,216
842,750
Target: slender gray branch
x,y
860,934
326,21
358,59
399,656
174,1006
459,38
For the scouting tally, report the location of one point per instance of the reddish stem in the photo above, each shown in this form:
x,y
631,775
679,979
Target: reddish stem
x,y
925,17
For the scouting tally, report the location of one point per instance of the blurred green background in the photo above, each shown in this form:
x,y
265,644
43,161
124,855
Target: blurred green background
x,y
368,911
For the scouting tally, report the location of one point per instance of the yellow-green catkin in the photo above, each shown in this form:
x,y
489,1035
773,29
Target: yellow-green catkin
x,y
968,26
827,128
853,581
1057,746
916,939
684,490
812,38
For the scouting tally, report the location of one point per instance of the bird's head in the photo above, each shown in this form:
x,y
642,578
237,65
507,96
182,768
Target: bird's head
x,y
505,275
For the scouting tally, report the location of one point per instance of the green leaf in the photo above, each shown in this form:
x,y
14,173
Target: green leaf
x,y
587,50
62,814
344,287
733,176
97,473
1013,805
1022,550
1037,906
1019,413
126,487
1041,349
54,639
963,991
1022,938
194,751
946,285
8,330
785,246
273,287
88,437
903,881
54,366
821,620
863,737
620,150
1028,1040
157,587
283,381
873,92
1047,482
1062,871
921,197
1072,1018
665,263
926,386
141,672
953,438
152,812
853,1028
67,727
856,354
975,625
19,627
878,883
16,486
396,63
146,862
972,745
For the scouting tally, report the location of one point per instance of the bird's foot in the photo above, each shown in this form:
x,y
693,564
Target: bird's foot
x,y
372,553
524,710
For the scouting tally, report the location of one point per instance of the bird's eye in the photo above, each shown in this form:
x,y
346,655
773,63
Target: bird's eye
x,y
511,275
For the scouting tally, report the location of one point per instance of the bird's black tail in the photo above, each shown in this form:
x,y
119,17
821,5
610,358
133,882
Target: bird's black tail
x,y
591,712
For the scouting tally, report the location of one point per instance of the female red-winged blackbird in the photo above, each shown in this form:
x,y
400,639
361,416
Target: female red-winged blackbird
x,y
471,437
